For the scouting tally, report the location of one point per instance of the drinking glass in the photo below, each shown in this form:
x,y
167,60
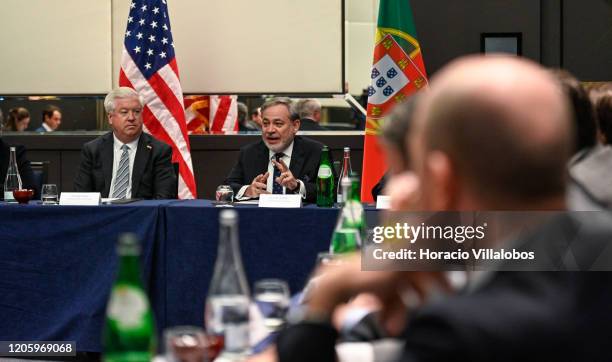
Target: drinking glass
x,y
49,194
186,344
224,195
272,298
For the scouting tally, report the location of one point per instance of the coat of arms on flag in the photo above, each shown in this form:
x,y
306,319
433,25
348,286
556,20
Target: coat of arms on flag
x,y
394,76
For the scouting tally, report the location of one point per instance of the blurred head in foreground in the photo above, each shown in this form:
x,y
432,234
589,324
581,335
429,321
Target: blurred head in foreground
x,y
491,133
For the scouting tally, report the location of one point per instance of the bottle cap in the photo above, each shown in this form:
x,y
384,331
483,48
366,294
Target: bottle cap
x,y
227,217
12,148
347,149
128,244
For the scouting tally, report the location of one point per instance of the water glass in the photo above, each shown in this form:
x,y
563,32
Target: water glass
x,y
224,194
49,194
185,344
272,298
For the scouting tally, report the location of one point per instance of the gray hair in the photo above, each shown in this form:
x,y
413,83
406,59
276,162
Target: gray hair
x,y
121,92
307,107
280,101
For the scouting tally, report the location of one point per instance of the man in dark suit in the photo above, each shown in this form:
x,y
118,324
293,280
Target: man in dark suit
x,y
126,163
309,111
52,118
492,133
281,162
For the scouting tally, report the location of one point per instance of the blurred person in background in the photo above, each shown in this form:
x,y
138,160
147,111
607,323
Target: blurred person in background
x,y
52,118
309,112
583,115
256,117
18,119
245,125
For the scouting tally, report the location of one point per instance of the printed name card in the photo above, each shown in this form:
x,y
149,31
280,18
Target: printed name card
x,y
383,202
277,200
80,198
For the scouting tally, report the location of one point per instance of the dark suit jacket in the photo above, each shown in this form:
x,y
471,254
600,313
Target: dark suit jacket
x,y
152,175
307,124
25,171
253,160
513,316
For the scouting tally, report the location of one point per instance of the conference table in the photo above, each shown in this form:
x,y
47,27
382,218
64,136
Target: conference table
x,y
57,263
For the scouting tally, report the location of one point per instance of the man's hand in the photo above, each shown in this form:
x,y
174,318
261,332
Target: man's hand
x,y
337,284
258,186
286,178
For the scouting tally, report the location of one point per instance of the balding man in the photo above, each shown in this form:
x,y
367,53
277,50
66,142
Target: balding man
x,y
493,133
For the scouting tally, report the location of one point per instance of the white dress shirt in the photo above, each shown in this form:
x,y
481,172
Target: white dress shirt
x,y
287,160
117,151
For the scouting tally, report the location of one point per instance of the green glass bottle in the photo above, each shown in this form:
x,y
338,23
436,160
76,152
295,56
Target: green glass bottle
x,y
357,207
347,235
325,181
129,334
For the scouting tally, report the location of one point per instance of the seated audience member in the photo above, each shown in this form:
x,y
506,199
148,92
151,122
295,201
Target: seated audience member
x,y
309,111
592,175
394,133
492,133
582,112
126,163
602,101
18,119
245,125
52,118
280,161
23,165
256,117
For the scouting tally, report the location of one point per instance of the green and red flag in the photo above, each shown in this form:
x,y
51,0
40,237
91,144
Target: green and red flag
x,y
398,71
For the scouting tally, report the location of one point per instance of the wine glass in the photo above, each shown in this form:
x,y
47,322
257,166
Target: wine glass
x,y
224,195
49,194
272,298
186,344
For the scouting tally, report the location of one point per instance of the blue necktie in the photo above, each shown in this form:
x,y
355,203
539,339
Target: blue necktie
x,y
276,187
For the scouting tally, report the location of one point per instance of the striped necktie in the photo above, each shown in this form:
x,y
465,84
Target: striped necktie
x,y
122,176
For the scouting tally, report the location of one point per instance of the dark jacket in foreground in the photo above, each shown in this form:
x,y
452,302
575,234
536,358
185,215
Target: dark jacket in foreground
x,y
513,316
25,171
254,158
152,175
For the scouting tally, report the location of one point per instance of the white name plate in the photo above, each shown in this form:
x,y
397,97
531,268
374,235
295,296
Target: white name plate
x,y
278,200
80,198
383,202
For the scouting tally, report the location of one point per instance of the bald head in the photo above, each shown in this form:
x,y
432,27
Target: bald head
x,y
501,127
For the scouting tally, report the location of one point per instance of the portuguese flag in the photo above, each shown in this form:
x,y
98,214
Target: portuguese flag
x,y
397,72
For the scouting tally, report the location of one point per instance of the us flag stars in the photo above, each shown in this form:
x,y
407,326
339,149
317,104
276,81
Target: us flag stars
x,y
148,28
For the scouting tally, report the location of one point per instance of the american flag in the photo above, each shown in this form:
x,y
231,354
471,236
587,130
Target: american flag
x,y
149,66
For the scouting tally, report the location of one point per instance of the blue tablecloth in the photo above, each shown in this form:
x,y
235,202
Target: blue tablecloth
x,y
275,243
57,263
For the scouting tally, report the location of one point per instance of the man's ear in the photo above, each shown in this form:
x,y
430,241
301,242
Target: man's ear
x,y
109,119
296,125
442,180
